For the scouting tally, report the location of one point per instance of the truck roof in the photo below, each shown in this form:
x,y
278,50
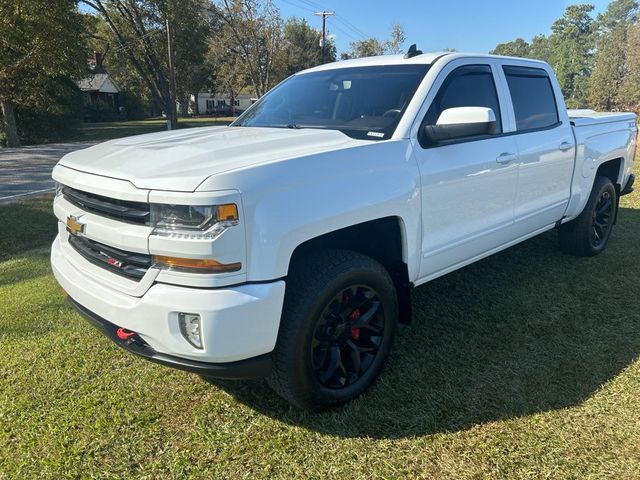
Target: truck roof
x,y
422,59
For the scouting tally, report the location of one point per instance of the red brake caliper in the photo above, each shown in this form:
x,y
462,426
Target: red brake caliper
x,y
355,332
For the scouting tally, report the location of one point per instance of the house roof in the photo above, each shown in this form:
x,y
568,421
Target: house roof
x,y
98,82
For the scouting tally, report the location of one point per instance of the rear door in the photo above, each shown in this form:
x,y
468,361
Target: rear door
x,y
546,147
468,184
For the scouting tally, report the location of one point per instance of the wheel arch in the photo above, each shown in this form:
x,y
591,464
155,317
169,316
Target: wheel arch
x,y
614,170
383,239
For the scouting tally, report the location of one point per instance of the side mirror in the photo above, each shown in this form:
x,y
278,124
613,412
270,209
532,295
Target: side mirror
x,y
460,122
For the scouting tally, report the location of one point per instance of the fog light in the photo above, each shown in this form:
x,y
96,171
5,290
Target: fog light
x,y
191,328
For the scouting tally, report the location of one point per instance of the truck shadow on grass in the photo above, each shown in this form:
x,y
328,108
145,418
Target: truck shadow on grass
x,y
527,330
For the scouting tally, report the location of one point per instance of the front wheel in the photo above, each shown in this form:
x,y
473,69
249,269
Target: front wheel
x,y
337,326
588,234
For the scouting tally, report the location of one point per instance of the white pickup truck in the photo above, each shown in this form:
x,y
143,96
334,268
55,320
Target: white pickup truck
x,y
286,245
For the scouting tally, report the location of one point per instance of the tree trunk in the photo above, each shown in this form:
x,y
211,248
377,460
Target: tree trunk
x,y
10,127
172,116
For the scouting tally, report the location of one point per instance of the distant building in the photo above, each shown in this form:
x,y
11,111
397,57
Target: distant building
x,y
99,87
210,104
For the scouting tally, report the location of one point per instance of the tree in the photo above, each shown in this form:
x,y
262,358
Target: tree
x,y
618,12
629,93
138,28
609,69
515,48
227,71
192,31
134,95
302,47
540,48
572,43
41,40
395,44
610,59
252,30
370,47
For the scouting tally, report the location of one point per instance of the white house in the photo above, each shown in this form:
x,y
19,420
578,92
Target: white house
x,y
99,86
208,102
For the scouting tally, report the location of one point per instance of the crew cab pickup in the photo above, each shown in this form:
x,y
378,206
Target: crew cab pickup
x,y
286,245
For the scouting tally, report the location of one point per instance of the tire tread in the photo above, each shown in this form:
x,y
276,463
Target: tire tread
x,y
306,279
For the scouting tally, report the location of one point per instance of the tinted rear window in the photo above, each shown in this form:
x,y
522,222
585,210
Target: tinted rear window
x,y
532,95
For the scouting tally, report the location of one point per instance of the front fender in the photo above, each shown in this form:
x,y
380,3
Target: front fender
x,y
289,202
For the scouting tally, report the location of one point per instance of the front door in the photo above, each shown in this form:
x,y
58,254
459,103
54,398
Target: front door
x,y
468,184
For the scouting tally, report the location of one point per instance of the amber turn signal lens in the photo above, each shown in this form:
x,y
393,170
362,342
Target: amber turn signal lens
x,y
228,213
197,265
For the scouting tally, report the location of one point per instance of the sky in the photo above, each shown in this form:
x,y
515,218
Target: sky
x,y
466,25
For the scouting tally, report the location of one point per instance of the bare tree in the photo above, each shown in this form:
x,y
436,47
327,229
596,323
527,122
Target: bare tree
x,y
252,29
139,29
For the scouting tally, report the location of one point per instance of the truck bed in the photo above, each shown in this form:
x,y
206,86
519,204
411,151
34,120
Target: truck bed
x,y
581,118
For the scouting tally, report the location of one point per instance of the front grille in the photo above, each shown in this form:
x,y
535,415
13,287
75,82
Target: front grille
x,y
131,212
127,264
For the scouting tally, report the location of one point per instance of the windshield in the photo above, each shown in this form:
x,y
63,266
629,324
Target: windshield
x,y
362,102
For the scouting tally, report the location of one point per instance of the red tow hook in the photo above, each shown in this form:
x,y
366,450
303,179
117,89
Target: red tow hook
x,y
124,334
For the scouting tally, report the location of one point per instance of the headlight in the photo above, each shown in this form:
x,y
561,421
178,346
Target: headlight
x,y
188,222
192,222
59,188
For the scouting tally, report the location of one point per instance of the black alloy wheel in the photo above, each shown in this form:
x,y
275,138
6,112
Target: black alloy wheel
x,y
347,337
338,322
588,234
602,219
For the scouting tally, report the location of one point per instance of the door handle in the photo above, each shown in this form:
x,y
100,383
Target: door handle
x,y
564,146
506,158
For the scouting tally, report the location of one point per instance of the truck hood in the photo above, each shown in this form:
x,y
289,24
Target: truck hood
x,y
182,159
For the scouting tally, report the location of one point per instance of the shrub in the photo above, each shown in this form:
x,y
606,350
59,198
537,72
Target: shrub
x,y
56,120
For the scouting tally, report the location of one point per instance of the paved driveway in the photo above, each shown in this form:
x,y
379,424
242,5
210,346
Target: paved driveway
x,y
26,171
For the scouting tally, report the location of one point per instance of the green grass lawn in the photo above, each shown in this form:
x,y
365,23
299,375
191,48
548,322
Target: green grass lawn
x,y
524,365
109,130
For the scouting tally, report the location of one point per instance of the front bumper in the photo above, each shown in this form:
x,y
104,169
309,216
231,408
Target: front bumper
x,y
238,323
255,367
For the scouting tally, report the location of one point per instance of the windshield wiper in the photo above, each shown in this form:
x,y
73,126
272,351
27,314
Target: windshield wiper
x,y
294,125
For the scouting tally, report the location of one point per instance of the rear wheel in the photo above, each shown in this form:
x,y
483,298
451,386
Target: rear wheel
x,y
589,233
337,326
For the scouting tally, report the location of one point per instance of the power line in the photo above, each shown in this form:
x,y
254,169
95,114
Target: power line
x,y
341,18
298,6
346,22
342,30
306,4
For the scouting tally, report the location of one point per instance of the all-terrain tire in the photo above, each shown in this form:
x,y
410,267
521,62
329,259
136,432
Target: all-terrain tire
x,y
314,282
585,236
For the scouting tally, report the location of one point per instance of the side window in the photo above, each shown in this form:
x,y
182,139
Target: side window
x,y
532,95
467,86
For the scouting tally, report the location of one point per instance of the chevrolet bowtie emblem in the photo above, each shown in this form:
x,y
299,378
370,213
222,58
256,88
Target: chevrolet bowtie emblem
x,y
74,226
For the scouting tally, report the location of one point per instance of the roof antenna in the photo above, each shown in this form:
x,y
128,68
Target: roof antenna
x,y
412,52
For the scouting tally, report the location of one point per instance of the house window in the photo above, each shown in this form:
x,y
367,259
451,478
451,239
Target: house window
x,y
236,103
222,102
210,104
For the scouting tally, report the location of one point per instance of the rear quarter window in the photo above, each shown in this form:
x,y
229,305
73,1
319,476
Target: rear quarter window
x,y
534,102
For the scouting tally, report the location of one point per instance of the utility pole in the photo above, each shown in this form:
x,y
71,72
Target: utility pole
x,y
172,114
324,14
